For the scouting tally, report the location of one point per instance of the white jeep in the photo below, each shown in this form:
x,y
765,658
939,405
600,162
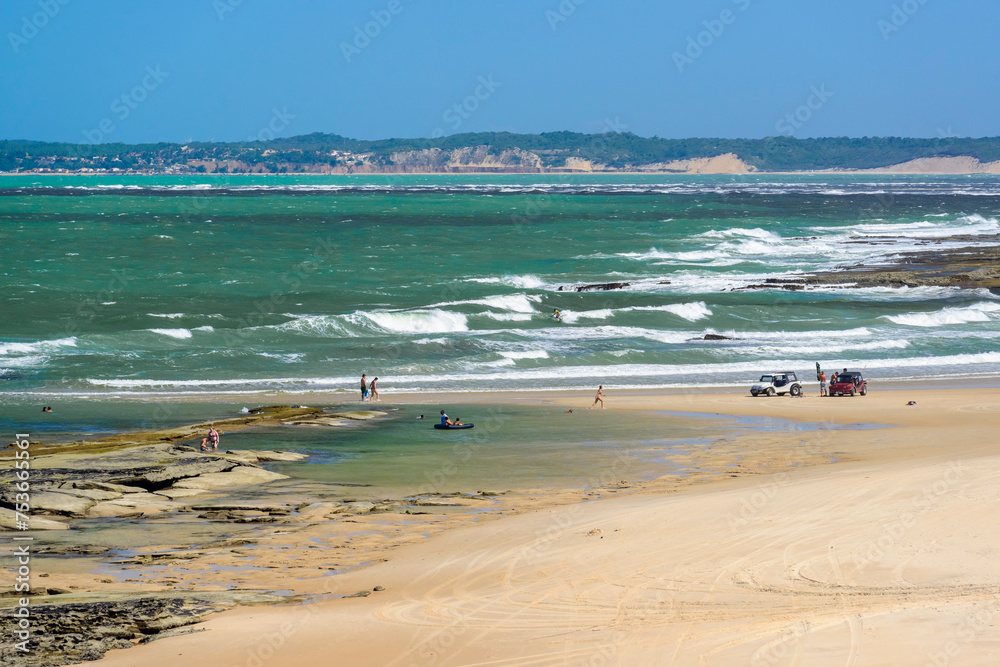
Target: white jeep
x,y
777,383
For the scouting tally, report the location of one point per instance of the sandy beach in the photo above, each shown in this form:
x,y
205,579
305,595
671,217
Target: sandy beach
x,y
832,545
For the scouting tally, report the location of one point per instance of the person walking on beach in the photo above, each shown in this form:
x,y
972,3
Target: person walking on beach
x,y
373,391
822,384
599,398
364,387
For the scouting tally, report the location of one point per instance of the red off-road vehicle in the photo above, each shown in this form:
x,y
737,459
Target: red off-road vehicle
x,y
848,383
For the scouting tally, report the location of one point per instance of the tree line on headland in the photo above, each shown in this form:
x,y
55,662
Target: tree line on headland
x,y
490,151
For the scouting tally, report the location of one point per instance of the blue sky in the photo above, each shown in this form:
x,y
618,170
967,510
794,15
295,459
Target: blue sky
x,y
225,70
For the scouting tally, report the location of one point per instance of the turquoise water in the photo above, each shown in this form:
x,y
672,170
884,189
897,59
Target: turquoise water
x,y
172,286
511,447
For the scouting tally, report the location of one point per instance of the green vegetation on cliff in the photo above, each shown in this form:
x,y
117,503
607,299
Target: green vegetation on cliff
x,y
325,152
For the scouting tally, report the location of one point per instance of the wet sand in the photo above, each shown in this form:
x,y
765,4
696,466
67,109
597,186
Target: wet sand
x,y
868,546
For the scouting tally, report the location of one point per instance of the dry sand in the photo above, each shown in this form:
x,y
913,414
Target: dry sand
x,y
887,556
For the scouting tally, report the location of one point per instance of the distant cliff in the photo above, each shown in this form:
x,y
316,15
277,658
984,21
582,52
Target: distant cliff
x,y
503,152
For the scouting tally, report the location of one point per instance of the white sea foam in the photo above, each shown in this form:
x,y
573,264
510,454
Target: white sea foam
x,y
755,233
323,326
572,316
979,312
207,327
603,332
964,224
692,312
824,349
173,333
508,317
525,354
171,316
707,374
518,303
519,282
28,361
43,346
288,358
429,341
857,332
432,320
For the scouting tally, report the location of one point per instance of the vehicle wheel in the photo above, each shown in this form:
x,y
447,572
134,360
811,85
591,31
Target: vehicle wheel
x,y
770,391
864,390
753,392
852,391
796,390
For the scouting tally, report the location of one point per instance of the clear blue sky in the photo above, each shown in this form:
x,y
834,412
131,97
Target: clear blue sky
x,y
223,68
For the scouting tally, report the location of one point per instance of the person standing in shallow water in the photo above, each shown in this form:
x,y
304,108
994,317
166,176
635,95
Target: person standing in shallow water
x,y
211,441
600,397
364,387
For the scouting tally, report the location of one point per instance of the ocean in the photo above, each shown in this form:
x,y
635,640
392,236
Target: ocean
x,y
183,286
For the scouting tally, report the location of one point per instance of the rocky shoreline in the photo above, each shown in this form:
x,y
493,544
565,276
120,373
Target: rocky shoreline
x,y
83,630
973,267
138,481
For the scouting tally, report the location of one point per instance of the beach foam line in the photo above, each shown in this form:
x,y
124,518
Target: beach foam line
x,y
643,373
